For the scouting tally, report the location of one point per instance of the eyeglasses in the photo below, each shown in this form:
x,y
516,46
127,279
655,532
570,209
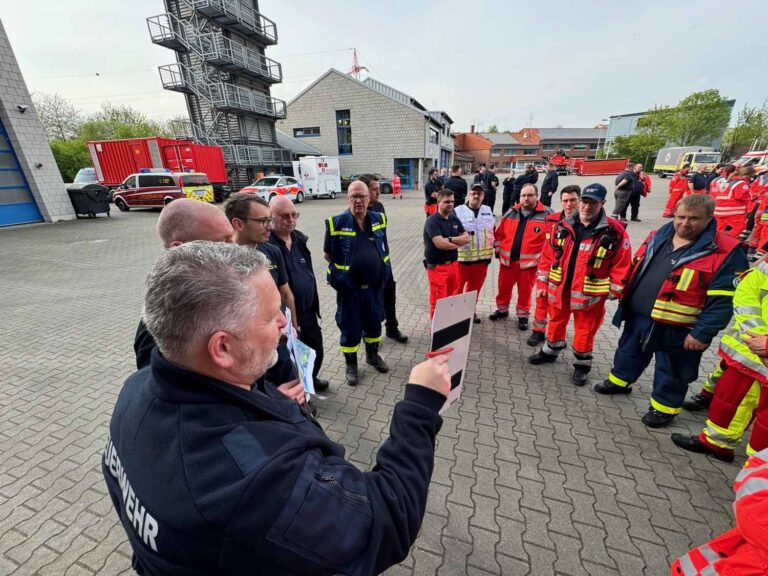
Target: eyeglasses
x,y
359,197
291,216
266,222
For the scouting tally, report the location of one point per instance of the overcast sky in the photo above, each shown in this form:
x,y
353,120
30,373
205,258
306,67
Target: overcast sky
x,y
508,63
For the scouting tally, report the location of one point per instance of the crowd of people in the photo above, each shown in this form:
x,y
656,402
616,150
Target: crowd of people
x,y
215,460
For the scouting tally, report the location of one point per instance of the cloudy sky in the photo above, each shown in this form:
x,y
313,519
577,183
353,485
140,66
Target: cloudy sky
x,y
508,63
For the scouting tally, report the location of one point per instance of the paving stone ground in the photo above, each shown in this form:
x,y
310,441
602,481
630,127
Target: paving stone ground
x,y
532,475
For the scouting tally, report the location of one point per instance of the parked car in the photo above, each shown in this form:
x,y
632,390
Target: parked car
x,y
86,176
276,185
385,184
156,189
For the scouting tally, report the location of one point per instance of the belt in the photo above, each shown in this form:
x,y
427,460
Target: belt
x,y
432,265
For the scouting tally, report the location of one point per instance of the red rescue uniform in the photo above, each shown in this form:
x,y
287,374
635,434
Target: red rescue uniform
x,y
759,193
733,200
678,187
519,243
540,314
742,551
582,266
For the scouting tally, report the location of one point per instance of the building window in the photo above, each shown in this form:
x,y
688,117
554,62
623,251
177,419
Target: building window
x,y
434,136
529,152
593,146
579,147
344,132
548,147
306,132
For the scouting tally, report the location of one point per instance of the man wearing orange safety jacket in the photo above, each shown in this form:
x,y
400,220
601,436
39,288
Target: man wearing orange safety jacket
x,y
569,200
678,187
733,201
519,241
679,296
742,551
587,261
759,192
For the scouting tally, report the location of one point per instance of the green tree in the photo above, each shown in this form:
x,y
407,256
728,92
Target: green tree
x,y
751,129
116,122
59,117
70,155
639,147
698,118
492,129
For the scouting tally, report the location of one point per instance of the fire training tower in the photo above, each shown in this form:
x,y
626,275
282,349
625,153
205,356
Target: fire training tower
x,y
225,77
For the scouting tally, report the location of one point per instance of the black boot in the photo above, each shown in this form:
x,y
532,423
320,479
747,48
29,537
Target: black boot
x,y
351,374
522,323
580,375
697,402
608,387
541,357
655,419
396,335
372,357
498,315
536,338
693,444
320,384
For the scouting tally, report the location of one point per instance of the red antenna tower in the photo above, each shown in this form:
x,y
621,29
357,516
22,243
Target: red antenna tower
x,y
356,68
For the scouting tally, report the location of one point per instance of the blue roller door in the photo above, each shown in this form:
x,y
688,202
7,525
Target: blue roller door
x,y
17,206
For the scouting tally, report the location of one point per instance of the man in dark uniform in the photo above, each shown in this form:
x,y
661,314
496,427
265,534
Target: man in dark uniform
x,y
530,176
699,180
301,278
491,182
252,222
443,236
390,292
430,193
550,184
210,476
457,185
357,253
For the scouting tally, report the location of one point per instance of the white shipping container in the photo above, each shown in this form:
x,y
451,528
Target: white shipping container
x,y
319,175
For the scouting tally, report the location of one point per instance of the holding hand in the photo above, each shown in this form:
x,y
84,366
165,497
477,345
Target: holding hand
x,y
757,343
293,390
694,345
433,374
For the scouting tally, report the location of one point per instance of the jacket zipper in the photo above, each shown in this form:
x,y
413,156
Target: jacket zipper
x,y
331,481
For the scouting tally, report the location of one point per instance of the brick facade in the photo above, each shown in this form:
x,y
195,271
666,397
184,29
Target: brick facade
x,y
28,139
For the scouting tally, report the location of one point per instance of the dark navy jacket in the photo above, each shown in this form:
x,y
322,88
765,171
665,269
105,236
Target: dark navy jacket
x,y
717,310
208,478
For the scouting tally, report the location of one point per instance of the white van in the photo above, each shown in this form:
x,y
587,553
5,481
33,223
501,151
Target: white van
x,y
319,175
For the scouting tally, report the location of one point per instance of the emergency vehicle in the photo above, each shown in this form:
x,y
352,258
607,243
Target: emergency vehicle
x,y
671,160
149,189
276,185
754,159
319,175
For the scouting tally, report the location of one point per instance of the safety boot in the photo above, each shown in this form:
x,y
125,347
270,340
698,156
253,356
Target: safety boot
x,y
372,358
351,374
655,419
694,444
541,357
580,375
522,323
697,402
536,338
608,387
498,315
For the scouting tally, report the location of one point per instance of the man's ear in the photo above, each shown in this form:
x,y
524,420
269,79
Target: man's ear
x,y
221,350
176,243
237,224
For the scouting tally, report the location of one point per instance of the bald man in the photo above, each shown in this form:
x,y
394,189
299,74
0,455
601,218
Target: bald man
x,y
301,277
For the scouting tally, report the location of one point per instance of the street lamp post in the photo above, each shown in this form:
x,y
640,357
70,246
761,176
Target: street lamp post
x,y
600,135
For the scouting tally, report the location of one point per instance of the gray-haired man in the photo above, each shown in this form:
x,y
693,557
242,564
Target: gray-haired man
x,y
209,475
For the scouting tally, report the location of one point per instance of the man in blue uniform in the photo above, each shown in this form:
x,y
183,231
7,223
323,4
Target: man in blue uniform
x,y
358,268
209,476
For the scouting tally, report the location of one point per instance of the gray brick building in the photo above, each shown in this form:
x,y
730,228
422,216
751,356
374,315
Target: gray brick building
x,y
371,127
31,188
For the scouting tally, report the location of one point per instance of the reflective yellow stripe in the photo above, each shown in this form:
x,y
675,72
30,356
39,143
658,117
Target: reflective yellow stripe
x,y
601,252
672,317
618,381
371,340
675,307
340,267
349,349
596,290
721,292
685,279
386,258
664,409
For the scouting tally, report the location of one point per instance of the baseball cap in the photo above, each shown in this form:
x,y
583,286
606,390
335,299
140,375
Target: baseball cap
x,y
476,186
595,191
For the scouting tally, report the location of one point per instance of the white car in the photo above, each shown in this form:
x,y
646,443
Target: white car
x,y
270,186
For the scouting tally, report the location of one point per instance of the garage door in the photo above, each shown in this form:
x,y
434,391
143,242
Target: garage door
x,y
16,203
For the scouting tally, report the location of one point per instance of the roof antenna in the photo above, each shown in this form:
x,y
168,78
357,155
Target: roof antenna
x,y
356,68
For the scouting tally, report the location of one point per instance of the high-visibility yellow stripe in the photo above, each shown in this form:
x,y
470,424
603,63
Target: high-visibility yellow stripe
x,y
685,279
349,349
599,290
340,267
672,317
386,258
675,307
371,340
731,436
618,381
598,282
664,409
721,292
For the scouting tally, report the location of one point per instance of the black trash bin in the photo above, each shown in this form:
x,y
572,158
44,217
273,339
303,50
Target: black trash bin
x,y
89,199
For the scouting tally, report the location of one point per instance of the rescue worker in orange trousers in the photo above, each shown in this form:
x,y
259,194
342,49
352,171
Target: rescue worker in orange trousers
x,y
587,261
476,255
678,187
431,189
569,200
742,389
443,236
733,201
759,192
678,297
520,238
742,551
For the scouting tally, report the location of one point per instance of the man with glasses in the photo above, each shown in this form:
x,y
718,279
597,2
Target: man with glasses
x,y
252,222
357,253
301,278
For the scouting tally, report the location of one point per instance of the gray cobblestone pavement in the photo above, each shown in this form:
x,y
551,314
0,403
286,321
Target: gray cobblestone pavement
x,y
532,475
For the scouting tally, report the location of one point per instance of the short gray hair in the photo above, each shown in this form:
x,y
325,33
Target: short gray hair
x,y
198,289
696,201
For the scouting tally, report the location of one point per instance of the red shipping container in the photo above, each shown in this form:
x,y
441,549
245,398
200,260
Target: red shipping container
x,y
602,167
115,160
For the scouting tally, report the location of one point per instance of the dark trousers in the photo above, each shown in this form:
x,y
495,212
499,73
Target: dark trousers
x,y
359,313
675,369
634,204
390,299
490,198
508,200
312,336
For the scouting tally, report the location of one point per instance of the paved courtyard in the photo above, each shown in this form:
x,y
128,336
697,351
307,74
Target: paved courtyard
x,y
532,475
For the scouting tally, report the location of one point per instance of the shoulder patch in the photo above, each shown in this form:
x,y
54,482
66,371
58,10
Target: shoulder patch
x,y
626,244
246,450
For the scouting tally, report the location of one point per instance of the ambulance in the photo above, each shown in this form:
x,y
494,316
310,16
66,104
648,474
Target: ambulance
x,y
755,159
319,175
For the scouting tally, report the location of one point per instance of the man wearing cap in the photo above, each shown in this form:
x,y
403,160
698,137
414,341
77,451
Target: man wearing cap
x,y
519,242
678,297
587,261
443,236
475,256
